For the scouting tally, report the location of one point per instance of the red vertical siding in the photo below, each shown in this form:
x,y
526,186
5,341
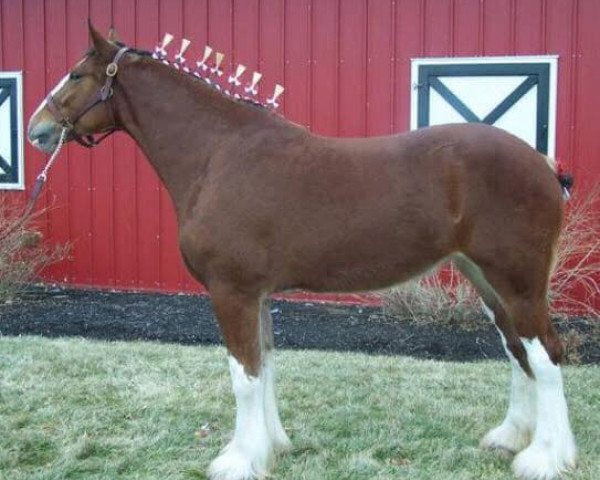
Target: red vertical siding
x,y
148,186
102,233
171,20
409,44
298,57
2,37
497,26
57,187
79,164
558,40
271,45
529,23
467,28
352,85
438,31
121,162
325,66
346,68
12,34
379,67
34,86
587,140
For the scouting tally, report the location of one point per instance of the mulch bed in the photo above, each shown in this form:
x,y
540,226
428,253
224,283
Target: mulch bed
x,y
187,319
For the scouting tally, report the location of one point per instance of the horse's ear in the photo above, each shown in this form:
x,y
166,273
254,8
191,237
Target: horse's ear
x,y
101,45
112,35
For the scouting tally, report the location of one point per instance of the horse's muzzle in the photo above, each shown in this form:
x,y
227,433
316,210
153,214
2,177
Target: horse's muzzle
x,y
44,135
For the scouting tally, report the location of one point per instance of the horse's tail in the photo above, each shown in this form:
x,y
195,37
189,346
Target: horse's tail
x,y
566,182
564,178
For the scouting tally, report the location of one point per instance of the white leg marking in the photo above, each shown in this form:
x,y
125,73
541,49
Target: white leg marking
x,y
515,432
552,450
280,440
54,91
249,454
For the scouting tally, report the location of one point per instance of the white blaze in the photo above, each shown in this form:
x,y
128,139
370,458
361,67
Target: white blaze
x,y
54,91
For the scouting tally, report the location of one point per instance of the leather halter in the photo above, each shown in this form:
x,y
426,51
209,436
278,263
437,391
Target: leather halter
x,y
101,96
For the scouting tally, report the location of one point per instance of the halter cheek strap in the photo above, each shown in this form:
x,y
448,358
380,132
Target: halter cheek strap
x,y
101,96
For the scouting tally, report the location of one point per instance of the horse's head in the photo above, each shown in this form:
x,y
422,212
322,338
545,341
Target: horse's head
x,y
81,101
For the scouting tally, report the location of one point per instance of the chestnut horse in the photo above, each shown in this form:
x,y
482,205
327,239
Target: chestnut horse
x,y
263,205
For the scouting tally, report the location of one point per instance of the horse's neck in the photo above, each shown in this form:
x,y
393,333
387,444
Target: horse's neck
x,y
178,122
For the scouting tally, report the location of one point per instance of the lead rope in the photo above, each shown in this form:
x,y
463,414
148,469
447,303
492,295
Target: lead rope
x,y
37,187
61,141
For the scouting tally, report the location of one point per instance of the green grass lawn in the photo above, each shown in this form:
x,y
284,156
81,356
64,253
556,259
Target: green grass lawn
x,y
89,410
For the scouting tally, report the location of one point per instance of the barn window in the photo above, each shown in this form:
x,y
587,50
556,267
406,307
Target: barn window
x,y
11,128
517,94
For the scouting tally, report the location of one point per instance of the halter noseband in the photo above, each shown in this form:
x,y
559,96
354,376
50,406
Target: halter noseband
x,y
101,96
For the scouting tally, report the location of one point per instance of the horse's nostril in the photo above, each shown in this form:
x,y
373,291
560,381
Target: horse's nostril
x,y
43,138
44,135
41,133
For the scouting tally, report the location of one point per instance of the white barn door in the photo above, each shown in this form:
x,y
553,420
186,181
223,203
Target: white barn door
x,y
517,94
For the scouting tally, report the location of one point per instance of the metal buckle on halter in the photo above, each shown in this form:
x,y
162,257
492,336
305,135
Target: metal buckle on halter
x,y
112,69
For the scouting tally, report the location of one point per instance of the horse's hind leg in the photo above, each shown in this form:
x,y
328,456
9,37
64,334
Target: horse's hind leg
x,y
530,338
281,441
250,452
552,450
516,431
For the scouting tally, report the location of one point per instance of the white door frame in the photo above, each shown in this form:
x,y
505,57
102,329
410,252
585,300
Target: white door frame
x,y
550,60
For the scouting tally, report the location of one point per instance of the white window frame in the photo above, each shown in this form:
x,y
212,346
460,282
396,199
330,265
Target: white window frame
x,y
20,185
551,60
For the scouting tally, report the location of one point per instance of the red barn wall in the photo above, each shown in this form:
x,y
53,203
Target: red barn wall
x,y
346,68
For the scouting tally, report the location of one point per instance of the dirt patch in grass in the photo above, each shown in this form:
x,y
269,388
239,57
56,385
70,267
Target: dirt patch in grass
x,y
186,319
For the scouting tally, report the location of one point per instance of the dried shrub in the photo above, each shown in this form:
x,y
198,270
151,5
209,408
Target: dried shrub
x,y
575,283
446,298
22,253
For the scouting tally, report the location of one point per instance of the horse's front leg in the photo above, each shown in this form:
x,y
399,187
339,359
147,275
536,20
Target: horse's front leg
x,y
250,452
279,437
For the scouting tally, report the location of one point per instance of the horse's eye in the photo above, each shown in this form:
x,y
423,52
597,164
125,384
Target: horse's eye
x,y
75,76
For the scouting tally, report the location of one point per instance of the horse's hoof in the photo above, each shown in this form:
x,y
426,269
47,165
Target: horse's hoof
x,y
235,464
537,463
506,438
